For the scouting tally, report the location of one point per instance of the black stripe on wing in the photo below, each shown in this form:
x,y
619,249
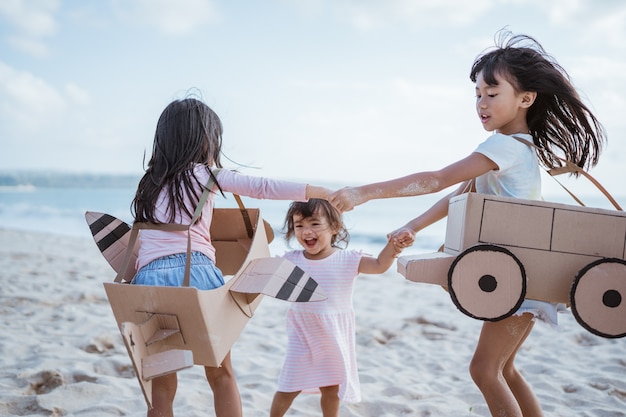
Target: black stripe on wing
x,y
113,236
100,223
290,284
307,291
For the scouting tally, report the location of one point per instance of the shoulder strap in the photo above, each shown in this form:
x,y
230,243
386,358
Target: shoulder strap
x,y
182,227
205,196
570,168
168,227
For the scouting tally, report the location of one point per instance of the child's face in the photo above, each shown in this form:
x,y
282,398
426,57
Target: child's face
x,y
500,108
314,234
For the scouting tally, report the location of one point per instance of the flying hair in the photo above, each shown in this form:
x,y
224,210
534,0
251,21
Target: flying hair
x,y
560,123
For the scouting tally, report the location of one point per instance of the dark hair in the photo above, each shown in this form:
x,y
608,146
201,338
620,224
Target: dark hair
x,y
188,133
320,207
558,120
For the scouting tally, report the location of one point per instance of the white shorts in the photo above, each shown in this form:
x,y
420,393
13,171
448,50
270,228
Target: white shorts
x,y
542,310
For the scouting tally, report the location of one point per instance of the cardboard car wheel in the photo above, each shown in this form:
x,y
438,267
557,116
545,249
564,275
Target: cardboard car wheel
x,y
487,282
598,297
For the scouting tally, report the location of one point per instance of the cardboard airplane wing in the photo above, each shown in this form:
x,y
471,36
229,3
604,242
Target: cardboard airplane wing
x,y
166,329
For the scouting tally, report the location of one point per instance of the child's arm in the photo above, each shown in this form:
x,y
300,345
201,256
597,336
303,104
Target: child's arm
x,y
405,235
371,265
419,183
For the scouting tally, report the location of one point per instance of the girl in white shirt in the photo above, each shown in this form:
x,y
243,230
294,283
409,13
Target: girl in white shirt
x,y
520,91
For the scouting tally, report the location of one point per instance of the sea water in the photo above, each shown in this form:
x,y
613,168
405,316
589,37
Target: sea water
x,y
61,210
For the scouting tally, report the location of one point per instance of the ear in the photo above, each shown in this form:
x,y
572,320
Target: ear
x,y
528,98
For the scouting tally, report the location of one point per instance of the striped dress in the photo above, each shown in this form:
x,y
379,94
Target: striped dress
x,y
321,335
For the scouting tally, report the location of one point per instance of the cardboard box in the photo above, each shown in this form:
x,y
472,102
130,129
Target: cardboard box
x,y
547,245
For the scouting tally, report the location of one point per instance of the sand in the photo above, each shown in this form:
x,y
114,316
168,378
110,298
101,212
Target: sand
x,y
62,355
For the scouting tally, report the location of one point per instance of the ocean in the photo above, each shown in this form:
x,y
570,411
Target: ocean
x,y
53,207
61,210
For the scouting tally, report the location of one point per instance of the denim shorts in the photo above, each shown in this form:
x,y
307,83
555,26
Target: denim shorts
x,y
169,271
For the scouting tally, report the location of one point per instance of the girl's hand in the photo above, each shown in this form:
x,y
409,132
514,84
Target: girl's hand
x,y
345,199
313,191
402,237
397,247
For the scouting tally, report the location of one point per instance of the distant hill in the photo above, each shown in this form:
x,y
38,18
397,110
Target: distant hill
x,y
60,179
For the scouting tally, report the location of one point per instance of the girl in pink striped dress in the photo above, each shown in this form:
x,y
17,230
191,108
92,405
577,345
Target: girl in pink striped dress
x,y
321,355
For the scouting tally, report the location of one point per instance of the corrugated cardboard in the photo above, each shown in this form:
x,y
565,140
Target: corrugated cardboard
x,y
553,243
164,328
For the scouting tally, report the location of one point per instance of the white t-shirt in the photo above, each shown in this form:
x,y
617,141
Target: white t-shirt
x,y
518,176
518,173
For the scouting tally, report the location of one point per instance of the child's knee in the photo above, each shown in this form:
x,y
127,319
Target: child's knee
x,y
511,373
221,374
475,370
481,370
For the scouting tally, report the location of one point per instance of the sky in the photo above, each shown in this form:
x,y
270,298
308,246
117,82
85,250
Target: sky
x,y
341,91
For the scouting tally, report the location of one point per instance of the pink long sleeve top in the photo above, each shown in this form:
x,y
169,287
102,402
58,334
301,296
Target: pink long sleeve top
x,y
157,243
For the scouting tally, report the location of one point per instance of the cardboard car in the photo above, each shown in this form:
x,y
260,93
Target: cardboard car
x,y
500,250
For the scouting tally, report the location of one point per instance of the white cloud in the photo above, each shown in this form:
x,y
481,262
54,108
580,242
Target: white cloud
x,y
596,68
27,99
169,17
599,23
33,20
563,11
34,47
77,94
610,28
372,14
427,14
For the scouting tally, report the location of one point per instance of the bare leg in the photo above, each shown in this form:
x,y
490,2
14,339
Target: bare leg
x,y
493,358
281,403
226,399
524,394
330,401
163,392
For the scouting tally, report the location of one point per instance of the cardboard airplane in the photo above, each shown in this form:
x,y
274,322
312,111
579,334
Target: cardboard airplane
x,y
166,329
500,250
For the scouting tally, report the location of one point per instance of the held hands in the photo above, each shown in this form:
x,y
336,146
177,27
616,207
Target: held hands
x,y
345,199
401,238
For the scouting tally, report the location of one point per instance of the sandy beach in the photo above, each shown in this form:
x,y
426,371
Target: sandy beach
x,y
62,355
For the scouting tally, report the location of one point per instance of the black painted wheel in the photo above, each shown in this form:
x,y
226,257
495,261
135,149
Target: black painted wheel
x,y
487,282
598,297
